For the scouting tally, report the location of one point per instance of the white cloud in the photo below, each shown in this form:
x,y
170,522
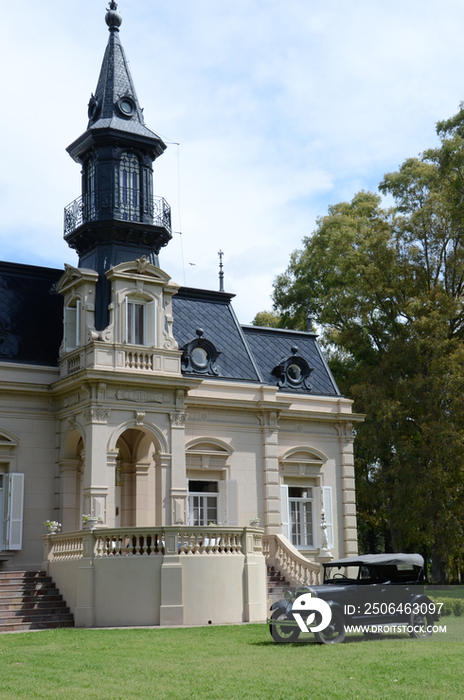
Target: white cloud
x,y
280,109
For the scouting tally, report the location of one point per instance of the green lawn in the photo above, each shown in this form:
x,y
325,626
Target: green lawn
x,y
224,662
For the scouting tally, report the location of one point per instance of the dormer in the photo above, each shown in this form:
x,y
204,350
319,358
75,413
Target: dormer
x,y
78,286
141,308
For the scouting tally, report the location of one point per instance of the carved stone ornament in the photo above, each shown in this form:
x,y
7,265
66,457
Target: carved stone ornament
x,y
138,396
95,414
178,419
71,400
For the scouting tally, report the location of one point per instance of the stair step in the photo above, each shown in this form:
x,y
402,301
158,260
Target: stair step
x,y
25,626
30,600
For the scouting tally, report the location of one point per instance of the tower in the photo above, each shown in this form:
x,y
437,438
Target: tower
x,y
116,218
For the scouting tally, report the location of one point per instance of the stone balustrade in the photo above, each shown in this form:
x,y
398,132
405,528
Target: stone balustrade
x,y
284,557
169,572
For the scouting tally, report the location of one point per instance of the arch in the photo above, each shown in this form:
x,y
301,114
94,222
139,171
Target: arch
x,y
8,439
70,442
304,453
145,427
204,444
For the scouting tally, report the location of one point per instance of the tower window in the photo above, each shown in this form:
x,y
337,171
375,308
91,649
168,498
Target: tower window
x,y
129,187
141,322
90,189
135,323
72,325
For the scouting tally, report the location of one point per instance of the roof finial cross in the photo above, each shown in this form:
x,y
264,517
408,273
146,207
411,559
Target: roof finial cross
x,y
113,5
221,271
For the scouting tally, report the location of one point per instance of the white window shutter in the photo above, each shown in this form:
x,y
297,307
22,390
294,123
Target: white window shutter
x,y
77,338
150,323
70,328
328,510
125,313
232,501
284,510
15,511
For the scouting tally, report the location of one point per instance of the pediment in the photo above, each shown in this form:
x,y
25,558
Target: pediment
x,y
72,275
141,267
8,439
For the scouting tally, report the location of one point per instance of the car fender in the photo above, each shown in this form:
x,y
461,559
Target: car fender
x,y
284,605
422,598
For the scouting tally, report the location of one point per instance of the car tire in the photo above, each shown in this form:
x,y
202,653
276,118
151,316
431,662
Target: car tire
x,y
280,631
335,632
420,620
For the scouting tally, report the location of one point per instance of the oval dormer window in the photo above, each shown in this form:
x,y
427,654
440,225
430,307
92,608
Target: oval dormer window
x,y
294,373
200,357
126,106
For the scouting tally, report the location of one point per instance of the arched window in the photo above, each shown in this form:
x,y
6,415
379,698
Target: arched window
x,y
129,187
90,188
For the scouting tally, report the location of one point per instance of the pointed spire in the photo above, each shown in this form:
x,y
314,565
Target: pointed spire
x,y
115,104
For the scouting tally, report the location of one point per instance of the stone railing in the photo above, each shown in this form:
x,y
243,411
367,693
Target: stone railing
x,y
139,360
152,541
284,557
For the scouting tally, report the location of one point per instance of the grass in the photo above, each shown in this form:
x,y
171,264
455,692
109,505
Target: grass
x,y
230,662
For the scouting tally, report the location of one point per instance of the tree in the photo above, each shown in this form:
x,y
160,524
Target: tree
x,y
386,285
266,318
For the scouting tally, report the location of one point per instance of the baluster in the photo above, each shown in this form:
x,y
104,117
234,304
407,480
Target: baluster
x,y
144,539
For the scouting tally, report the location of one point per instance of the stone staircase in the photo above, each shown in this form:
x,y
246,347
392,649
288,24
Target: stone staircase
x,y
276,586
29,600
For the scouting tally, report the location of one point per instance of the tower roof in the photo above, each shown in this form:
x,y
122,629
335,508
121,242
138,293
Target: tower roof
x,y
115,104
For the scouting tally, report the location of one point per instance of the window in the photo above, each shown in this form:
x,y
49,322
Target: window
x,y
72,325
301,516
203,502
141,322
11,511
129,187
90,201
135,323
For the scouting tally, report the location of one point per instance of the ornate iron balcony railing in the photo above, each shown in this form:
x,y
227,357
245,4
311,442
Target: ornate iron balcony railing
x,y
154,211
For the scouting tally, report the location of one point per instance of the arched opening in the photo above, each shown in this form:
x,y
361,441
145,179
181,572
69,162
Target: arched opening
x,y
72,463
137,480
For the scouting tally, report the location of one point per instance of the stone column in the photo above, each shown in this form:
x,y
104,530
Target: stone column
x,y
179,492
69,474
95,472
111,463
141,493
350,531
270,432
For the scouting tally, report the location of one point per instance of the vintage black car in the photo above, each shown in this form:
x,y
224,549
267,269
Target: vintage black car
x,y
369,591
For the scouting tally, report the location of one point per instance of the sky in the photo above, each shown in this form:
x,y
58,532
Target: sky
x,y
271,112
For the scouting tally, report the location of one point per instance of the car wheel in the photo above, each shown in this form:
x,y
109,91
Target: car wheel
x,y
419,623
280,631
335,632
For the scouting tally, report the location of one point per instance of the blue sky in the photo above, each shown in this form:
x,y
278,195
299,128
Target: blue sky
x,y
280,109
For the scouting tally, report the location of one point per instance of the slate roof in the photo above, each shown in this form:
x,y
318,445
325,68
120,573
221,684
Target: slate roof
x,y
212,311
115,81
31,314
31,330
271,345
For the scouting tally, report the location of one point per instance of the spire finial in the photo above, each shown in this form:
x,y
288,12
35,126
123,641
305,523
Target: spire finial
x,y
221,271
113,18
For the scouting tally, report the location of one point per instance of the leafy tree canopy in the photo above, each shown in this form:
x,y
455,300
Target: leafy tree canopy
x,y
386,286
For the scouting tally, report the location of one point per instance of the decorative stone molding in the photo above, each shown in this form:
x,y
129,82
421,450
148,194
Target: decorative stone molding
x,y
95,414
178,419
138,396
71,400
139,417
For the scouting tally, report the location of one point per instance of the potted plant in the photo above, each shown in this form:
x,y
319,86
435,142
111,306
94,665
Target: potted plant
x,y
90,521
53,526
